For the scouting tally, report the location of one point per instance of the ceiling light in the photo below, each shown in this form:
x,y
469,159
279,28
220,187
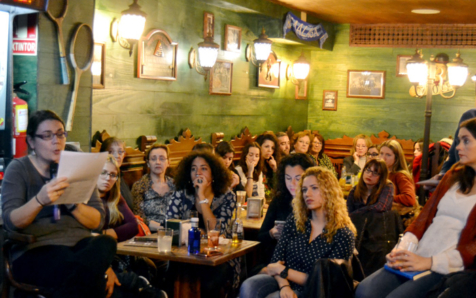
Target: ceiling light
x,y
425,11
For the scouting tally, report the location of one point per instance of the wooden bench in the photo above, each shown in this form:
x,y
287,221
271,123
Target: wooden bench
x,y
179,148
238,142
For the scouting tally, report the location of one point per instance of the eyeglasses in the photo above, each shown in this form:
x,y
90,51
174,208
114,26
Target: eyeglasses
x,y
105,173
373,173
161,159
49,135
373,154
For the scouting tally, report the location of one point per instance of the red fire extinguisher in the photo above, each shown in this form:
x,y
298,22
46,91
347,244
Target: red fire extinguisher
x,y
20,121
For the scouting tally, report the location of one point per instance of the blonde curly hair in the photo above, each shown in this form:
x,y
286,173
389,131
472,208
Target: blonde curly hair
x,y
335,207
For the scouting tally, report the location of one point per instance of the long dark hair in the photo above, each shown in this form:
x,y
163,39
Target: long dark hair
x,y
465,174
276,154
361,189
321,139
242,162
221,176
292,160
223,148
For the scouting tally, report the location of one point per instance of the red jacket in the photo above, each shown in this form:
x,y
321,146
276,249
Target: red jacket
x,y
404,189
467,241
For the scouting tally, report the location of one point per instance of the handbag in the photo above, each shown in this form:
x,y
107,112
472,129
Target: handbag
x,y
143,228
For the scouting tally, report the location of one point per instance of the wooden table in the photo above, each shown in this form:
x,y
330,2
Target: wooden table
x,y
187,283
252,223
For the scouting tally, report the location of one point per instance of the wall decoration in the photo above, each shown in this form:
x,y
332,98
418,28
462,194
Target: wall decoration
x,y
99,65
208,24
301,90
232,38
157,56
303,30
221,76
402,65
366,83
269,74
329,100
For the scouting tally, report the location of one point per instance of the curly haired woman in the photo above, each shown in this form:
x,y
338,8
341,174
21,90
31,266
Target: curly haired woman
x,y
319,227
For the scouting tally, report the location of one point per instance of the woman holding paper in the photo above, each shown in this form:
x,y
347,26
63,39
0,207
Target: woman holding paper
x,y
64,257
443,233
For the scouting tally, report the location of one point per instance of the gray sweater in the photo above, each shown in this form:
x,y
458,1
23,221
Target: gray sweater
x,y
22,182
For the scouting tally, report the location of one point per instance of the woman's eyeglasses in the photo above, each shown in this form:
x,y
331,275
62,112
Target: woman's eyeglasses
x,y
373,173
372,154
49,135
104,174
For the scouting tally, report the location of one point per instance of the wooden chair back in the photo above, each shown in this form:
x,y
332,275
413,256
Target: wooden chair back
x,y
239,142
132,167
180,148
146,141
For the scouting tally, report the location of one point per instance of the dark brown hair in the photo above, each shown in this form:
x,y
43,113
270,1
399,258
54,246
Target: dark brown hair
x,y
321,139
276,154
156,146
223,148
259,167
361,189
465,174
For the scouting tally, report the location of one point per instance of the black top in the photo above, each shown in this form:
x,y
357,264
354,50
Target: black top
x,y
298,254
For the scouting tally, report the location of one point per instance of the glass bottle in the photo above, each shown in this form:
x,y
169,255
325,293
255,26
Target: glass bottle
x,y
237,229
194,237
342,177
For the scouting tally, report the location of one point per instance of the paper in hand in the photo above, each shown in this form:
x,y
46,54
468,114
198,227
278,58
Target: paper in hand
x,y
82,170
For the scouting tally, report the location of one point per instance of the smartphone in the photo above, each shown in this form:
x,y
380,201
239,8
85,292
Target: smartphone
x,y
279,222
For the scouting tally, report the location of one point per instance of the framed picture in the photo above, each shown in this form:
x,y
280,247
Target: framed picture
x,y
98,66
208,24
402,65
157,56
301,90
329,100
269,73
232,38
366,83
221,76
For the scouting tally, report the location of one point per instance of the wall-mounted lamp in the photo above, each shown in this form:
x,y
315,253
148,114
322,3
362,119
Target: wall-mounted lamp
x,y
128,30
206,58
259,52
298,71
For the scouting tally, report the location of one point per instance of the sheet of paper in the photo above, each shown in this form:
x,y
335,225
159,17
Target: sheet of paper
x,y
82,171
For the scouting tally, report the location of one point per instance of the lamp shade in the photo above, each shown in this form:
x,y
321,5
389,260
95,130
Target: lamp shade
x,y
301,68
262,47
417,69
457,71
132,22
207,53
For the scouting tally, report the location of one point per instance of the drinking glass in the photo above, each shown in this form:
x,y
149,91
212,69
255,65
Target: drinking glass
x,y
214,234
240,198
164,239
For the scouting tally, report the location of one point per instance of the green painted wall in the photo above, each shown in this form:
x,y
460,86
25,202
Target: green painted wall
x,y
129,107
398,114
25,68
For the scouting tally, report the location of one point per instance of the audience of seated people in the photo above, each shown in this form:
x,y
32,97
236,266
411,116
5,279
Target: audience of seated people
x,y
316,150
284,143
373,192
226,152
319,227
358,154
301,142
250,170
152,192
271,157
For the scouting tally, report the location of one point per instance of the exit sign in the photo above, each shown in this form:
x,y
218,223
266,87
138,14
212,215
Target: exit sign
x,y
33,4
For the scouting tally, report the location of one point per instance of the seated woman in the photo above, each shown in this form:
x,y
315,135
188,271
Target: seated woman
x,y
392,154
271,156
117,148
317,153
226,152
373,152
289,173
318,228
250,170
356,161
301,141
153,191
443,232
64,257
203,184
373,193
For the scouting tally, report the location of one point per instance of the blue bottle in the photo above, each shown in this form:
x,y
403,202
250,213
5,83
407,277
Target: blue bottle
x,y
194,237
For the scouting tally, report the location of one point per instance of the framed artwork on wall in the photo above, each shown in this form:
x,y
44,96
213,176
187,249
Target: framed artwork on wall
x,y
221,77
157,56
366,83
98,66
402,65
269,74
208,24
232,38
301,90
329,100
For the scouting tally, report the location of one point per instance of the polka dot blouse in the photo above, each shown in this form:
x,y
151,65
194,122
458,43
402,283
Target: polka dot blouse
x,y
295,250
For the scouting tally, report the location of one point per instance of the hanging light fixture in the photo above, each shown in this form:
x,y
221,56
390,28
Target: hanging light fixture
x,y
207,56
128,30
260,51
299,70
417,69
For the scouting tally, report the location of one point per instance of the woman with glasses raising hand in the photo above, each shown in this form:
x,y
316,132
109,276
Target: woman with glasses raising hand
x,y
64,257
373,192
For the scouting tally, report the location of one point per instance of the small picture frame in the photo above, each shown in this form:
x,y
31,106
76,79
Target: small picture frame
x,y
269,74
208,24
232,38
402,65
329,100
366,83
221,78
301,90
98,66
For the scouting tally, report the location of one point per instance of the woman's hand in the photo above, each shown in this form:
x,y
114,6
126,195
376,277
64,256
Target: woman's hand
x,y
51,191
275,268
356,158
111,281
201,183
235,180
287,292
276,231
250,166
408,261
272,163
